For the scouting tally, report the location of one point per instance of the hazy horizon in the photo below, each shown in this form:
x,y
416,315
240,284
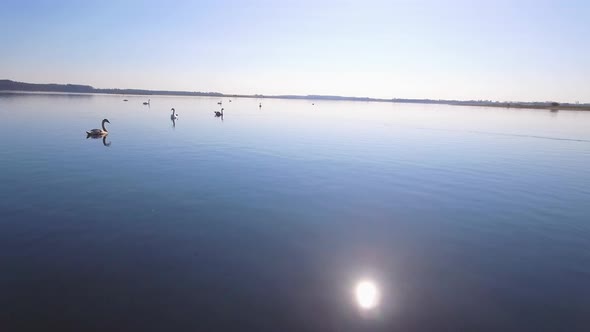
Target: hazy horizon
x,y
505,50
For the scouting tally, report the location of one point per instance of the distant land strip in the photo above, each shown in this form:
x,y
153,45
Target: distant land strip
x,y
14,86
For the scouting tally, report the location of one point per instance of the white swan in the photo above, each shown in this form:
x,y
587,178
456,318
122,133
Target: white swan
x,y
174,116
99,132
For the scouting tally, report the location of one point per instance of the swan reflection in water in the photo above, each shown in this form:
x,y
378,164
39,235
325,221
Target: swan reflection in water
x,y
104,139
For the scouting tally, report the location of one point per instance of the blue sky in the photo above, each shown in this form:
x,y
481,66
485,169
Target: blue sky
x,y
500,50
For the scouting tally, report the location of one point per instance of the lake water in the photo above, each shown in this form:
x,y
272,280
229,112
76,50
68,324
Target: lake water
x,y
459,218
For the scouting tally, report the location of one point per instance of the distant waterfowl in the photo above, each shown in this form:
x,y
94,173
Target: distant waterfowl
x,y
99,132
146,102
219,103
124,99
174,116
219,113
260,105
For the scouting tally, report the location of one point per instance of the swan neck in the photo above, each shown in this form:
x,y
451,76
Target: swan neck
x,y
103,127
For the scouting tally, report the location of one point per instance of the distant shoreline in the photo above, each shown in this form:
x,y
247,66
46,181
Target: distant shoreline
x,y
21,87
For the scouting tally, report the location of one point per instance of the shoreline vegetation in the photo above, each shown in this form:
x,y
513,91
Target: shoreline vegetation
x,y
13,86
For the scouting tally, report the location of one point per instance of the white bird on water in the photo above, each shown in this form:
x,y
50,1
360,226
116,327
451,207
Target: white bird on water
x,y
174,116
99,132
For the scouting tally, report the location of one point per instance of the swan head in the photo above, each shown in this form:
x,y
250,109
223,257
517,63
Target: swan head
x,y
106,120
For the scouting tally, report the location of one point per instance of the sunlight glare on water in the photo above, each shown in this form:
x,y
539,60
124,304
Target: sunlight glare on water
x,y
367,294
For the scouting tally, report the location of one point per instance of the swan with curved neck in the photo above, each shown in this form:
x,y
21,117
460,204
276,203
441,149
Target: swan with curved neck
x,y
218,113
174,116
99,132
146,102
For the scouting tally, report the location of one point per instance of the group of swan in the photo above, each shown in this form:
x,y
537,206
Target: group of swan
x,y
104,131
98,133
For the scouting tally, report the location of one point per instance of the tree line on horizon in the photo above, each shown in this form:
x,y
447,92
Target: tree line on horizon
x,y
9,85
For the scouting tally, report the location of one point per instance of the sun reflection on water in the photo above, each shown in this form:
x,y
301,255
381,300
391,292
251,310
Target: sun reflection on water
x,y
367,294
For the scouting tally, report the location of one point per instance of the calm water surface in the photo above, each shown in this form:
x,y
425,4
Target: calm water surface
x,y
459,218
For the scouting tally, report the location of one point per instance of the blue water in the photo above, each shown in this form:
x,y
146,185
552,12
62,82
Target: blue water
x,y
464,218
